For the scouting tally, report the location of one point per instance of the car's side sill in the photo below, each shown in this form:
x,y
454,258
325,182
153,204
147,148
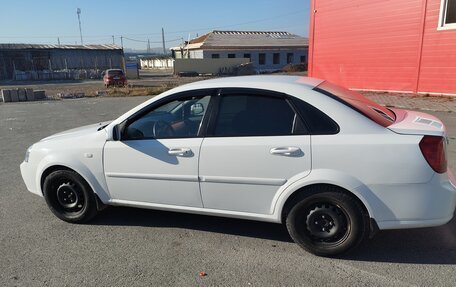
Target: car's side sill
x,y
197,210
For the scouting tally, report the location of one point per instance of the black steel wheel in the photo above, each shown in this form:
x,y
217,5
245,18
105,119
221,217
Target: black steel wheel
x,y
69,196
327,222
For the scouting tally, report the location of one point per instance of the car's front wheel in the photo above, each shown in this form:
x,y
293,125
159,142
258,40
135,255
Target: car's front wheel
x,y
327,222
69,196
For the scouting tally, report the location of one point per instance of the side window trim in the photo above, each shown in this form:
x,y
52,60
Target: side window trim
x,y
208,120
181,95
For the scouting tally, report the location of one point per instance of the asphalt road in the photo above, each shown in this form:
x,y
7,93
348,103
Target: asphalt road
x,y
134,247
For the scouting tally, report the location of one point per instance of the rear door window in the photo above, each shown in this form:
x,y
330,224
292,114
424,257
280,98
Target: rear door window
x,y
254,115
370,109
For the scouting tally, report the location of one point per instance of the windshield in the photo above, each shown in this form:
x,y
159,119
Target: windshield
x,y
374,111
115,73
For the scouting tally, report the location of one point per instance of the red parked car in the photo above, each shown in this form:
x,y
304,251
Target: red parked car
x,y
114,77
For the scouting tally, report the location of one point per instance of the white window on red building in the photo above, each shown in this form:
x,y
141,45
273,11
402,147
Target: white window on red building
x,y
447,14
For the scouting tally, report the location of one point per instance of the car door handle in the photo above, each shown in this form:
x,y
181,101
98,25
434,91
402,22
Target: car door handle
x,y
288,151
180,152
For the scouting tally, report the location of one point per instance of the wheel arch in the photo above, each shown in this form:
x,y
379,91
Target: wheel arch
x,y
50,170
344,182
83,171
304,191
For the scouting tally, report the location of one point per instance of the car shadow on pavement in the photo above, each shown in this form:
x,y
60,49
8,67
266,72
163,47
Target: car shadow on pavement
x,y
126,216
414,246
435,245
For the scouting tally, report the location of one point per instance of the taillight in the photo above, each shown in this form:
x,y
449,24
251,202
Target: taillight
x,y
433,149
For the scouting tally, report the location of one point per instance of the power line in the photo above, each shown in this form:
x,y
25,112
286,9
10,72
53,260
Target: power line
x,y
147,41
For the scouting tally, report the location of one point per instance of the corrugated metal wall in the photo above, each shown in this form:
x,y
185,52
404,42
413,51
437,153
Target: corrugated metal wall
x,y
380,45
57,63
438,61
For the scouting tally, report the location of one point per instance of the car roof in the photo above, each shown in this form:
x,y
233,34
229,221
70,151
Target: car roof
x,y
270,82
277,83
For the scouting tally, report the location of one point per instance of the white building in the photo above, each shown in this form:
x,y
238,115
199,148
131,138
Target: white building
x,y
266,50
157,62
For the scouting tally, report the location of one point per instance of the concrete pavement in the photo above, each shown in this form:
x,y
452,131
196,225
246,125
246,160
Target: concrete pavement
x,y
134,247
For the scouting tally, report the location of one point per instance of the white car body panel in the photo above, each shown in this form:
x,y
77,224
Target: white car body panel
x,y
81,151
142,170
251,187
383,167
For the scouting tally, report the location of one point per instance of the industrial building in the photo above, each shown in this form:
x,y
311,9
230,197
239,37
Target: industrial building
x,y
266,50
45,62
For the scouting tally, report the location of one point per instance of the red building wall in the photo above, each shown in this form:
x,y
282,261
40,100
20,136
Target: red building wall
x,y
382,45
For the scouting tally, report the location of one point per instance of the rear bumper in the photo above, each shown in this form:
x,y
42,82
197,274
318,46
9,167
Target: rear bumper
x,y
116,82
422,205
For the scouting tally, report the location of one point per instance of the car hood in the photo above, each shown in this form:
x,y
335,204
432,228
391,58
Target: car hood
x,y
80,131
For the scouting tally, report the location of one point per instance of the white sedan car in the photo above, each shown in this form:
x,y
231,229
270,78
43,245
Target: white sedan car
x,y
327,162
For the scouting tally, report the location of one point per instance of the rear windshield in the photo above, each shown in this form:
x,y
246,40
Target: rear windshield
x,y
359,103
115,73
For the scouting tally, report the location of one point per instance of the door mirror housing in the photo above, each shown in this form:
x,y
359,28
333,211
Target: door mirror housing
x,y
116,131
196,109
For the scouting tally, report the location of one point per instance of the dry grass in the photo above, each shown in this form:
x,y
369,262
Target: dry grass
x,y
138,91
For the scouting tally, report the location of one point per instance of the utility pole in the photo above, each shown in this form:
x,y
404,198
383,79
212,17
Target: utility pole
x,y
78,11
58,41
123,55
188,44
148,46
113,40
163,40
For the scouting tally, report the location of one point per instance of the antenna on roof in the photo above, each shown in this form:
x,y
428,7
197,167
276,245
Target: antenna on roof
x,y
78,11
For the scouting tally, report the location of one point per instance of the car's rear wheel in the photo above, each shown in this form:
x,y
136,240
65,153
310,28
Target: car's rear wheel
x,y
69,196
327,222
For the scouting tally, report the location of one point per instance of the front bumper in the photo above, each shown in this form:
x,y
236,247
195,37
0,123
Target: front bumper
x,y
28,172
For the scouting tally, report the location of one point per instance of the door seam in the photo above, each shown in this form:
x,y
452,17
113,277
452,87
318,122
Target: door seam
x,y
198,172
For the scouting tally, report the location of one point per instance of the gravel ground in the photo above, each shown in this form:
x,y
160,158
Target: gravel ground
x,y
148,78
134,247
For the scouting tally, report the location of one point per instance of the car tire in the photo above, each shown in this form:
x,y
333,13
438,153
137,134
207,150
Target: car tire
x,y
69,196
327,222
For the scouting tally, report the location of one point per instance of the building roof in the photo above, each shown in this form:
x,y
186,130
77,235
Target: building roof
x,y
245,39
64,47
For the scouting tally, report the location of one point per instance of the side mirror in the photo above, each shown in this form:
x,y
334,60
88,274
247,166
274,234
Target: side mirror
x,y
196,109
116,133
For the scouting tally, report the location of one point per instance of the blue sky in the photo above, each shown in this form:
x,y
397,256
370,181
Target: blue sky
x,y
28,21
